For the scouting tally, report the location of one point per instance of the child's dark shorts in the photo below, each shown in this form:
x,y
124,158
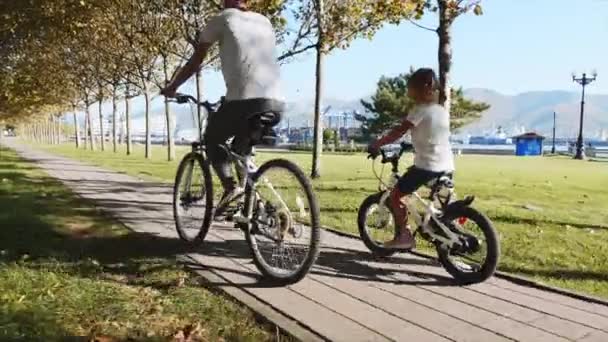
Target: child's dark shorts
x,y
414,178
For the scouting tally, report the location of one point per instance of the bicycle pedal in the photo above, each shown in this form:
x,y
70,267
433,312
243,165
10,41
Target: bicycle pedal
x,y
241,219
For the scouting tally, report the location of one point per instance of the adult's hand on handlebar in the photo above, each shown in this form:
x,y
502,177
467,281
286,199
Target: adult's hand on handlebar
x,y
168,91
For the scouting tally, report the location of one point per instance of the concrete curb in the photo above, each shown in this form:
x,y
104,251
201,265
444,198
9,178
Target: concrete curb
x,y
507,276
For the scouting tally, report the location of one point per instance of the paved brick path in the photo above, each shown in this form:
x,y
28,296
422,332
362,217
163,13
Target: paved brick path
x,y
348,296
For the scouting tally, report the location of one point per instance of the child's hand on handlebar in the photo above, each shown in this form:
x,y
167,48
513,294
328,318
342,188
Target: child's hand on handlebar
x,y
373,150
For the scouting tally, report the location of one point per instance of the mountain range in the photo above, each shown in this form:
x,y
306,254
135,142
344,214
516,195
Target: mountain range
x,y
534,112
530,111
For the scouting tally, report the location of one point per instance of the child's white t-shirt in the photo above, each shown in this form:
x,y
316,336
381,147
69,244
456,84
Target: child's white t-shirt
x,y
431,138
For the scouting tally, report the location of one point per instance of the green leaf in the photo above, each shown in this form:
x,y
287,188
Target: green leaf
x,y
478,10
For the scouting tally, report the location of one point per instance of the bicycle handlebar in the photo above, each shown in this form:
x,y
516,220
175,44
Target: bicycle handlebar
x,y
209,106
405,147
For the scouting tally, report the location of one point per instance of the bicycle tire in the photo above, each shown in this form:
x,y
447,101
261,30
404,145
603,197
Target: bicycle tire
x,y
193,157
373,246
493,253
315,234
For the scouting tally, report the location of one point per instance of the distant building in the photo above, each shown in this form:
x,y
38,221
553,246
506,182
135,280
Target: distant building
x,y
488,140
528,144
302,135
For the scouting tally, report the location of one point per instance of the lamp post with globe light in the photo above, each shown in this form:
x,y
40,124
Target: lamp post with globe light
x,y
583,81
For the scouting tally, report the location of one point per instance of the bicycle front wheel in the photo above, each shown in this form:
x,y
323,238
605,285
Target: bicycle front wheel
x,y
476,260
376,225
193,198
284,233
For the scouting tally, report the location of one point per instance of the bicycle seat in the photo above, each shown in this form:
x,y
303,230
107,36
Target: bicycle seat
x,y
446,179
261,125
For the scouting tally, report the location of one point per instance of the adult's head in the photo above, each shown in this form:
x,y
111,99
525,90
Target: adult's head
x,y
240,4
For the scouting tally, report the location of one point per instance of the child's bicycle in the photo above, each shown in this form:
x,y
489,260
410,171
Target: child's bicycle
x,y
470,255
280,219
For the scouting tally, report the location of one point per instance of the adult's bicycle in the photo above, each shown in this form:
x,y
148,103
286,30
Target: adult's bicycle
x,y
278,211
465,239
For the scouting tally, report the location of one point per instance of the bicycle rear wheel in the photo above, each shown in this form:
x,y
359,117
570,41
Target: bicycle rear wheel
x,y
193,198
284,233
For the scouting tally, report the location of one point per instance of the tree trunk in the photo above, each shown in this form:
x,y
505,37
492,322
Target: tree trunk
x,y
128,120
147,108
317,148
90,132
101,135
445,54
86,130
114,142
76,129
169,120
48,131
57,129
199,97
121,130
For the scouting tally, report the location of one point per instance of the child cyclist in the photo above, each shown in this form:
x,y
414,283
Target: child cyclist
x,y
429,124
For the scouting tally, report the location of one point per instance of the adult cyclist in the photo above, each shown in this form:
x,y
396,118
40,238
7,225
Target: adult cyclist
x,y
247,50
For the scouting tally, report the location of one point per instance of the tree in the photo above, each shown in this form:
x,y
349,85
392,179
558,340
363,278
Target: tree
x,y
172,50
325,25
390,104
448,11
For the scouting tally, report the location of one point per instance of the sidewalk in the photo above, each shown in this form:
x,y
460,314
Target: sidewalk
x,y
348,296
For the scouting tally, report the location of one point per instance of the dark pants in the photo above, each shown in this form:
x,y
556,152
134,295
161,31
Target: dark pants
x,y
233,119
414,178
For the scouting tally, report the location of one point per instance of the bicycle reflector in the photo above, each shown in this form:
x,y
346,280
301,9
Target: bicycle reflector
x,y
462,220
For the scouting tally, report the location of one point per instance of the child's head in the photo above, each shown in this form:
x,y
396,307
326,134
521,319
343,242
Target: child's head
x,y
242,4
422,86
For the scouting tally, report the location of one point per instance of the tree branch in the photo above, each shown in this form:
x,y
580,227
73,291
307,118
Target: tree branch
x,y
422,26
296,52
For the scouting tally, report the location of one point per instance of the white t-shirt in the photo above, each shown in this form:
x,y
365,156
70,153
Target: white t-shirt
x,y
247,53
431,138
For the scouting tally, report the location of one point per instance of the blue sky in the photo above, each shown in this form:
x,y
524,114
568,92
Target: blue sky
x,y
516,46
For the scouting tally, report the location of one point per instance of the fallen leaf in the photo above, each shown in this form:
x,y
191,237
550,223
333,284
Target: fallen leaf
x,y
190,333
532,207
180,281
104,338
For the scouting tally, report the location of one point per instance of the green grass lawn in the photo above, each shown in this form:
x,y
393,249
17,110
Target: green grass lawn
x,y
67,271
564,242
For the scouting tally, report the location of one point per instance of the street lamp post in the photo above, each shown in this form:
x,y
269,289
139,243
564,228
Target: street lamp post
x,y
553,147
583,81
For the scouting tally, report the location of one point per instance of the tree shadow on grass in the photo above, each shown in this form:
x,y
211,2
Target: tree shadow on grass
x,y
59,231
33,231
20,324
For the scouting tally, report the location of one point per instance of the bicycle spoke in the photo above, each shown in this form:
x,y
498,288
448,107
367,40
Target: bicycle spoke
x,y
286,232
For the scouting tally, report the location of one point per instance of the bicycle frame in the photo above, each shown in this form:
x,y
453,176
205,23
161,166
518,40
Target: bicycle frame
x,y
430,213
244,162
248,164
